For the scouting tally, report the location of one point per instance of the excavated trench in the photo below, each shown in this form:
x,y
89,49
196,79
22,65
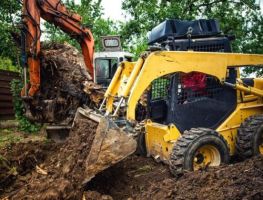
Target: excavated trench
x,y
46,170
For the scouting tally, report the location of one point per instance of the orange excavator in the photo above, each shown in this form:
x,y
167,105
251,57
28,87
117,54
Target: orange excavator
x,y
53,11
105,150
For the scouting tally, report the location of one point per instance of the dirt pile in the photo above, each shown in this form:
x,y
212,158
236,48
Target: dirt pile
x,y
63,78
129,178
238,181
61,174
17,160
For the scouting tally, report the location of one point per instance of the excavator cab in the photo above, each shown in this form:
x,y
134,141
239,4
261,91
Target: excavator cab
x,y
107,61
105,65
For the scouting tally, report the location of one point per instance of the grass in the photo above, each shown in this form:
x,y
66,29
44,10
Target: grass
x,y
12,135
8,136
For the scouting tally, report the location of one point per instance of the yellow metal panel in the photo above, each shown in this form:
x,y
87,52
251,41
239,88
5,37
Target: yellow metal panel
x,y
160,139
228,129
172,133
258,83
162,63
119,80
132,77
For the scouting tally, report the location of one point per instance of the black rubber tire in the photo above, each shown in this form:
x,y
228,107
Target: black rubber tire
x,y
141,145
248,137
186,146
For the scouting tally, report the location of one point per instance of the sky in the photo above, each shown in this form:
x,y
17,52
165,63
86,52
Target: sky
x,y
112,9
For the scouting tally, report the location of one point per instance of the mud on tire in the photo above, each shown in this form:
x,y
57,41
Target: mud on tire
x,y
249,137
185,149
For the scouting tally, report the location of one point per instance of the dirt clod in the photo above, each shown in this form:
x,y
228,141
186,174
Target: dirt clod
x,y
94,195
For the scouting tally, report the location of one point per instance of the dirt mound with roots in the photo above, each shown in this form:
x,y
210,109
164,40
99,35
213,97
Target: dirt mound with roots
x,y
65,85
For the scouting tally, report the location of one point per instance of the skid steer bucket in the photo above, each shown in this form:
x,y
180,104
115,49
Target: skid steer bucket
x,y
110,144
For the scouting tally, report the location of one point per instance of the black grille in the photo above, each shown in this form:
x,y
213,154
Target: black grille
x,y
159,88
198,102
209,48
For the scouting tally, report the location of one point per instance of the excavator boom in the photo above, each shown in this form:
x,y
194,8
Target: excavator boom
x,y
53,11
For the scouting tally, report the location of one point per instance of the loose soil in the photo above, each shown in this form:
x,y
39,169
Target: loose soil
x,y
142,178
18,160
134,178
238,181
59,176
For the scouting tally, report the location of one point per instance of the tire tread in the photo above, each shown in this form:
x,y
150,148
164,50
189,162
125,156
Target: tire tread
x,y
181,146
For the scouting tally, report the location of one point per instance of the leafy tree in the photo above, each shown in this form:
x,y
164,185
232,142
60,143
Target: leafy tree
x,y
91,13
24,124
9,17
6,64
242,18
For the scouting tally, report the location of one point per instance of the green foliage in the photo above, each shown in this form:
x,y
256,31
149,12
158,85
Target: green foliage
x,y
6,64
159,88
9,17
91,13
24,123
241,18
7,136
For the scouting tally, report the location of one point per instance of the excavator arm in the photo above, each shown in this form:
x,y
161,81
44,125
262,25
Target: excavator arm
x,y
53,11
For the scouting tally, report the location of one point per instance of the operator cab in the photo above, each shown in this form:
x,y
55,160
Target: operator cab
x,y
107,61
172,99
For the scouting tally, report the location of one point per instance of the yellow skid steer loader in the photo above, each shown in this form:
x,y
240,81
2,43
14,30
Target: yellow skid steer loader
x,y
188,109
205,128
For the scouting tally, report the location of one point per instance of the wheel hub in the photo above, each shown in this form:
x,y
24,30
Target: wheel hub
x,y
206,155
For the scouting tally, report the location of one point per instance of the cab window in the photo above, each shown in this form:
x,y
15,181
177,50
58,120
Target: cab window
x,y
105,67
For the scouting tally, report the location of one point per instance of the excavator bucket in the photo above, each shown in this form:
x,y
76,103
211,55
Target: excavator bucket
x,y
110,144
